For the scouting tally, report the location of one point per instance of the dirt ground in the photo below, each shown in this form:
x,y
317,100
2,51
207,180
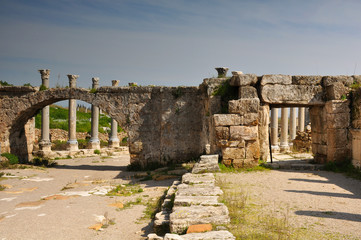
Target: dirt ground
x,y
75,192
319,201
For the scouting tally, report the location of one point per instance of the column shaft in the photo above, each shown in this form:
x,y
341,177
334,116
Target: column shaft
x,y
113,138
292,123
72,142
274,129
301,119
45,144
94,142
284,130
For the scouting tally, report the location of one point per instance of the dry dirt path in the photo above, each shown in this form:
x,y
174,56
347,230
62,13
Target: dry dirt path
x,y
76,188
315,200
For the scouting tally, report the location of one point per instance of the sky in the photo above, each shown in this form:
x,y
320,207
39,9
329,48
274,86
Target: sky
x,y
174,43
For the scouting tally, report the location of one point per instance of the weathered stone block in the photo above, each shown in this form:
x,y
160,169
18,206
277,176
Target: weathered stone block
x,y
250,162
336,91
198,228
337,138
338,120
243,80
322,149
238,163
338,154
135,147
243,133
247,92
345,80
252,150
227,162
222,133
233,153
243,106
226,119
224,235
250,119
337,106
292,94
237,144
276,79
306,80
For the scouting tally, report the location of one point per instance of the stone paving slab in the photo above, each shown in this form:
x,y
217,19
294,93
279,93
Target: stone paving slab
x,y
204,178
196,200
182,217
190,190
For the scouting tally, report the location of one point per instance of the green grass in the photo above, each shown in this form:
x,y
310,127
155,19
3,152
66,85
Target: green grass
x,y
125,190
260,167
13,159
59,119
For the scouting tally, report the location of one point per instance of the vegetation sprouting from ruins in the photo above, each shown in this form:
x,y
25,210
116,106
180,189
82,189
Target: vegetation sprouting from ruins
x,y
59,119
227,93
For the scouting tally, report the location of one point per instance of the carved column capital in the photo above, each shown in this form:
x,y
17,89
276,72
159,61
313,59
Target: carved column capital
x,y
45,73
115,83
72,80
95,82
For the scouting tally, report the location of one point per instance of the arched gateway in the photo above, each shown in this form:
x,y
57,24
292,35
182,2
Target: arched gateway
x,y
223,115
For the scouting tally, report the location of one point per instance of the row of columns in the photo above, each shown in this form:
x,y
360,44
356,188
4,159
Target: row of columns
x,y
94,143
285,127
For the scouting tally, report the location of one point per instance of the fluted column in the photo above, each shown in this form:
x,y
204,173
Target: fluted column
x,y
284,130
292,124
274,130
94,142
45,144
113,138
72,142
301,119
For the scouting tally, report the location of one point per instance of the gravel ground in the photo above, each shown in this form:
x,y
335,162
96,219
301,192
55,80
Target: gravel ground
x,y
79,186
324,201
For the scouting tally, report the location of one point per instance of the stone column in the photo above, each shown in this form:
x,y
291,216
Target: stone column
x,y
45,144
292,124
274,130
72,142
94,142
113,138
301,119
284,130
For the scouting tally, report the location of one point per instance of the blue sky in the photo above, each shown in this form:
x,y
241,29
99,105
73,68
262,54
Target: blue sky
x,y
173,43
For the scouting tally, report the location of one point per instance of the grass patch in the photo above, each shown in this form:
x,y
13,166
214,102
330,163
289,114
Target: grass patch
x,y
125,190
43,162
345,168
13,159
253,218
260,167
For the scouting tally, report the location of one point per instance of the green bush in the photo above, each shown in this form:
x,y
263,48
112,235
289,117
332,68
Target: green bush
x,y
97,151
58,145
13,159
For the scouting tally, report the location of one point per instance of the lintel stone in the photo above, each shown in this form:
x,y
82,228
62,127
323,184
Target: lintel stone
x,y
276,79
345,80
243,80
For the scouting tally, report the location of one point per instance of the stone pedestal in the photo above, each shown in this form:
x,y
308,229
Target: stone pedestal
x,y
284,130
113,138
44,143
274,130
94,142
72,142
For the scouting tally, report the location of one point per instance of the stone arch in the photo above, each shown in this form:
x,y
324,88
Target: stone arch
x,y
17,138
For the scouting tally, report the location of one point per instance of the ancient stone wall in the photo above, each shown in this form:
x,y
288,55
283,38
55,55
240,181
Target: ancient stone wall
x,y
164,124
175,124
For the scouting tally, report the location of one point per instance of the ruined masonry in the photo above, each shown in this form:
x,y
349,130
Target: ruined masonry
x,y
195,201
228,116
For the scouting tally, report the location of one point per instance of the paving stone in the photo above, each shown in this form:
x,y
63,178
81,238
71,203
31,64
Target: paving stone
x,y
204,178
182,217
208,163
191,190
197,200
213,235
